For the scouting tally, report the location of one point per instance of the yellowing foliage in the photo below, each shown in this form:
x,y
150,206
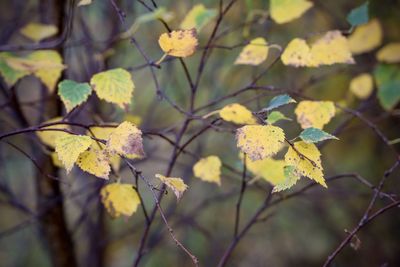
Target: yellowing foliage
x,y
238,114
115,86
177,185
390,53
283,11
103,133
208,169
49,137
120,199
181,43
305,157
39,31
254,53
126,140
10,75
291,176
269,169
314,113
260,141
362,85
69,147
366,37
197,17
95,161
329,49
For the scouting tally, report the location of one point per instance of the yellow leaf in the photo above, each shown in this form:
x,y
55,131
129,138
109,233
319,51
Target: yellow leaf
x,y
329,49
135,119
103,133
126,140
181,43
39,31
115,86
238,114
70,146
49,137
314,113
254,53
269,169
120,199
305,157
95,161
208,169
291,176
176,184
49,67
366,37
56,161
362,86
260,141
283,11
390,53
84,2
197,17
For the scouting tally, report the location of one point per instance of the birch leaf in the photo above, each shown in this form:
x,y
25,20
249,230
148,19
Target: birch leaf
x,y
314,135
276,116
198,17
291,176
255,53
10,75
177,185
208,169
390,53
95,161
362,85
279,100
359,15
366,37
181,43
238,114
260,141
120,199
49,137
314,113
269,169
39,31
73,94
283,11
103,133
126,140
69,147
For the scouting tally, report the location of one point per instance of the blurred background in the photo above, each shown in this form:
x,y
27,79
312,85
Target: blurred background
x,y
300,231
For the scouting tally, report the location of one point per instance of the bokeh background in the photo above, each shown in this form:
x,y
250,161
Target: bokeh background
x,y
301,231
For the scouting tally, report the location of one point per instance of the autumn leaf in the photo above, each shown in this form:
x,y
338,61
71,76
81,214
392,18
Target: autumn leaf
x,y
197,17
331,48
120,199
39,31
260,141
114,86
283,11
69,147
390,53
73,94
254,53
126,140
362,85
291,176
314,113
269,169
208,169
366,37
95,161
238,114
84,2
276,116
49,137
177,185
56,161
314,135
181,43
10,75
306,158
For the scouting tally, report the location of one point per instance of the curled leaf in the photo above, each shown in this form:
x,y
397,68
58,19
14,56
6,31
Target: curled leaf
x,y
175,184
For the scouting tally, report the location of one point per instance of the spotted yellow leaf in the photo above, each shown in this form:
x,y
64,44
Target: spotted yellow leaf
x,y
115,86
120,199
366,37
329,49
208,169
197,17
306,158
49,137
254,53
126,140
283,11
314,113
238,114
390,53
362,85
175,184
69,147
95,161
181,43
260,141
39,31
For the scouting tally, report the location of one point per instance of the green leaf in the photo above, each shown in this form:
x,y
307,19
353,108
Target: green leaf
x,y
314,135
10,75
388,81
291,178
358,15
278,101
276,116
73,94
